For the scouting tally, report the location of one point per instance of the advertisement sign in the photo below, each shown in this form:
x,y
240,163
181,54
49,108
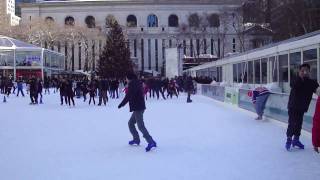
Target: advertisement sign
x,y
231,95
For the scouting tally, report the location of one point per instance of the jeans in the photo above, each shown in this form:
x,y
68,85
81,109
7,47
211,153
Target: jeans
x,y
137,118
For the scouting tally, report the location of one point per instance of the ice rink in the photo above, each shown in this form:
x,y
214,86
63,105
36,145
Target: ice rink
x,y
204,140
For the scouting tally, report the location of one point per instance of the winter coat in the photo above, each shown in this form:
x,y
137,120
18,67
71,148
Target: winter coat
x,y
301,93
189,84
316,126
134,96
69,90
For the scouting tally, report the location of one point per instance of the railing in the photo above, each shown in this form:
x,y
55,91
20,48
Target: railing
x,y
276,106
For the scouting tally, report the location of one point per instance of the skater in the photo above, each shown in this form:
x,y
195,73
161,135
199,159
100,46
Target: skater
x,y
70,92
137,106
316,127
189,88
92,92
63,91
20,87
40,87
33,90
46,85
259,99
302,88
103,92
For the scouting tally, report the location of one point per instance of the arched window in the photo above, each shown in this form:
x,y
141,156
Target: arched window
x,y
194,20
49,19
152,21
69,21
214,20
173,21
90,21
131,21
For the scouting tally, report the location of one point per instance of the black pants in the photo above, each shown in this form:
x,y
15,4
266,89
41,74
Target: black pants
x,y
70,98
103,96
65,99
294,123
137,118
92,97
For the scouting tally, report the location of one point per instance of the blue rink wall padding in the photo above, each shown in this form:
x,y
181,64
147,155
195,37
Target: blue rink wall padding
x,y
276,107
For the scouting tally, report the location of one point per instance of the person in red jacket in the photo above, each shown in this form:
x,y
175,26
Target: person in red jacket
x,y
316,127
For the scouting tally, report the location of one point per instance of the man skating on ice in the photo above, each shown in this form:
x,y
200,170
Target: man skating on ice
x,y
302,89
137,105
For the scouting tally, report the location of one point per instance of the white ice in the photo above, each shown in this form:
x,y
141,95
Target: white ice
x,y
204,140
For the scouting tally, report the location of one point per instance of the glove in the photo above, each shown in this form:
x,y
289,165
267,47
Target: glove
x,y
119,106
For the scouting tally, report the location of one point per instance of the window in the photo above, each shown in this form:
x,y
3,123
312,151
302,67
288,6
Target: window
x,y
295,62
152,21
191,47
245,72
310,57
219,74
28,58
131,21
173,21
240,72
283,68
205,46
156,53
194,20
211,47
90,21
250,72
142,54
264,70
273,69
198,46
213,20
184,47
257,79
69,21
235,73
149,53
6,57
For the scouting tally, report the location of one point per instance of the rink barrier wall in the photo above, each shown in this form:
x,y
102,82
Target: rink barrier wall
x,y
276,106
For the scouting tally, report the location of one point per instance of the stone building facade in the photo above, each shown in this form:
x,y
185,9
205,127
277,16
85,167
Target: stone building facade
x,y
193,26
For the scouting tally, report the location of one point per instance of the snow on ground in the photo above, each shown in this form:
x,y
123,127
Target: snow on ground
x,y
204,140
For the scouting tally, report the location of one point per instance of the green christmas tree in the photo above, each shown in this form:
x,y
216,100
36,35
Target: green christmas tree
x,y
114,61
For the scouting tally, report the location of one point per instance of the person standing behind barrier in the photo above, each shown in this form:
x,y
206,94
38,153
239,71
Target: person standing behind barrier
x,y
259,99
137,105
302,89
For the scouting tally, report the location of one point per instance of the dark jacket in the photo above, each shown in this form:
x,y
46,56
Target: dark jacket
x,y
301,93
188,84
134,96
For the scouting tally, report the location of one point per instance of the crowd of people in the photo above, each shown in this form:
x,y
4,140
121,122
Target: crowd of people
x,y
96,88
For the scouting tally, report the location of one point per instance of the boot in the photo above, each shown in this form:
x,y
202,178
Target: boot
x,y
134,142
297,143
151,145
288,143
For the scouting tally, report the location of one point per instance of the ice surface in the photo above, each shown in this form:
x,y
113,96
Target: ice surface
x,y
204,140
